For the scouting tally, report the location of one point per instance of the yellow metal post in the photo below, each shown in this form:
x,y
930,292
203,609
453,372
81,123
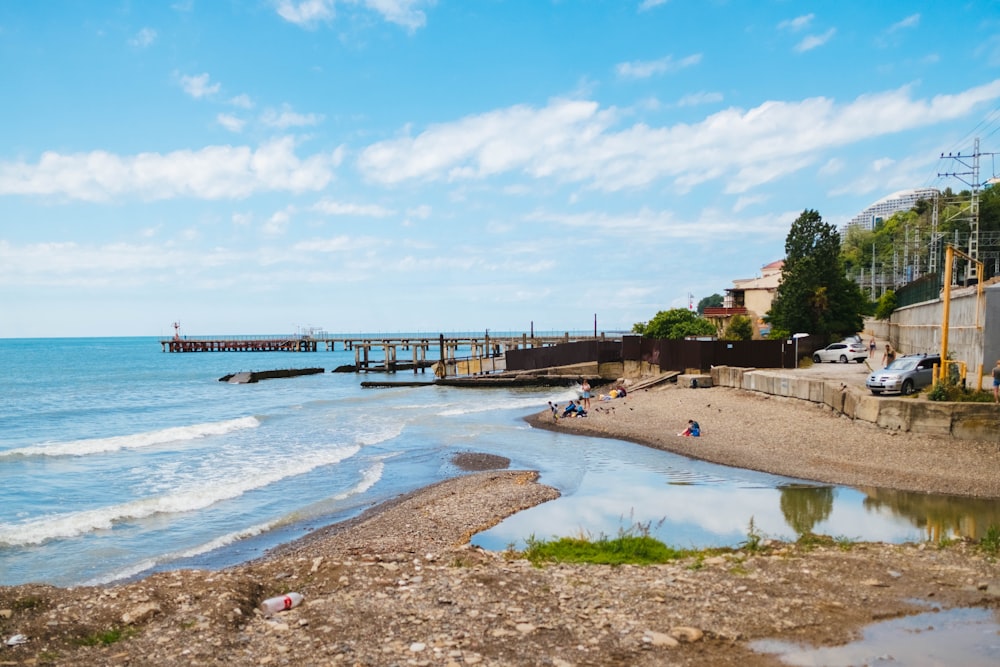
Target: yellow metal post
x,y
949,257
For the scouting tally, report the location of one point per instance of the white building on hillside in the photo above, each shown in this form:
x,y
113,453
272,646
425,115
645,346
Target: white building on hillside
x,y
903,200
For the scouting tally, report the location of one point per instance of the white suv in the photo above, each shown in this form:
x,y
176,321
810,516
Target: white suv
x,y
842,352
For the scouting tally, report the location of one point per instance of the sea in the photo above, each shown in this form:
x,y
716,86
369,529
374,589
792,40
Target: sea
x,y
118,459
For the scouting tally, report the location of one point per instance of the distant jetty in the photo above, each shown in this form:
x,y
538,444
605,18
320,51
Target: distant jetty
x,y
249,377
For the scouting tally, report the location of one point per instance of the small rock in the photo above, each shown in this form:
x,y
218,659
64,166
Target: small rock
x,y
686,633
6,613
525,628
417,647
659,639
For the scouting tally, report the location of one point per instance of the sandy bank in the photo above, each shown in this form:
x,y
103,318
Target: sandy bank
x,y
790,437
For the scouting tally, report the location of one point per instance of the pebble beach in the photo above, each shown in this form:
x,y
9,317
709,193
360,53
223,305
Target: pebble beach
x,y
400,585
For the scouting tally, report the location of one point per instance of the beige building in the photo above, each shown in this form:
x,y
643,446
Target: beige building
x,y
751,297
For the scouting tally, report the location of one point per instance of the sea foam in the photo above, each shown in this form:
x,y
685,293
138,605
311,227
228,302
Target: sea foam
x,y
134,441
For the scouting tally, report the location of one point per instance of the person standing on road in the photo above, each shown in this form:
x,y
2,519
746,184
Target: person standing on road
x,y
996,382
871,348
889,356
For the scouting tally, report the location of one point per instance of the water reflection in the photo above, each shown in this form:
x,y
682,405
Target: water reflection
x,y
610,486
940,516
804,507
967,637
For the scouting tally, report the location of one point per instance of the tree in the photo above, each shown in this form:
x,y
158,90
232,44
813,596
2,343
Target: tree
x,y
886,304
740,327
675,324
815,296
714,301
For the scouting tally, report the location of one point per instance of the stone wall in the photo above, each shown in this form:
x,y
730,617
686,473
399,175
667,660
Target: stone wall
x,y
965,421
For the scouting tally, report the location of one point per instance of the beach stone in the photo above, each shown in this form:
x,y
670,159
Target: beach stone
x,y
686,633
660,639
141,613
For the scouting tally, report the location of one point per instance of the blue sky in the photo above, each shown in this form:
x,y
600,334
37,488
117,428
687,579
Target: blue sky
x,y
260,166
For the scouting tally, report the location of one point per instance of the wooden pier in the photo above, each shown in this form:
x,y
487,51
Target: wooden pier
x,y
480,354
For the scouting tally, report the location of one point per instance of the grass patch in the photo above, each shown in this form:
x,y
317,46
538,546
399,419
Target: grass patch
x,y
755,538
626,548
989,544
956,393
25,603
108,637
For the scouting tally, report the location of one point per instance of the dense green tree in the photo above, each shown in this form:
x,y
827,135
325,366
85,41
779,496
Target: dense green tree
x,y
740,327
815,296
714,301
675,324
886,304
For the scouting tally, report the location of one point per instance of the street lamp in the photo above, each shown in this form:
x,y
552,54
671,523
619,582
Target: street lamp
x,y
796,337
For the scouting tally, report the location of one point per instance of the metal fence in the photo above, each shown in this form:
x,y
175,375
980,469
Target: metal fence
x,y
668,355
564,354
925,288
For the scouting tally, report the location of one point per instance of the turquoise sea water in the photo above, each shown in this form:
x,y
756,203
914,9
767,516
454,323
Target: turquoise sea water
x,y
117,459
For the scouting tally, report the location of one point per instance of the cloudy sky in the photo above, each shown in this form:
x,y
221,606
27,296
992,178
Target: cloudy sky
x,y
262,166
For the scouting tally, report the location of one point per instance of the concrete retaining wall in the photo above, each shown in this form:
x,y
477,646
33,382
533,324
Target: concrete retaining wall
x,y
965,421
917,328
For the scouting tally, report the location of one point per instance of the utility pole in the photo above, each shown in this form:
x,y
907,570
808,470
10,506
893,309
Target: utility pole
x,y
971,163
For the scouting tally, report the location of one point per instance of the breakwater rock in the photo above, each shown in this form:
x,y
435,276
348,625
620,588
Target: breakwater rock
x,y
249,377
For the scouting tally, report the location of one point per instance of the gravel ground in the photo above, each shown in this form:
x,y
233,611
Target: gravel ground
x,y
402,586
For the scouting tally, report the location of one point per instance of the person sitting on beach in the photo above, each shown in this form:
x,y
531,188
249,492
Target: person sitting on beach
x,y
693,429
570,409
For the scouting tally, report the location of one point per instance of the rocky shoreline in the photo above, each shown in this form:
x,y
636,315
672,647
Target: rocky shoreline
x,y
401,585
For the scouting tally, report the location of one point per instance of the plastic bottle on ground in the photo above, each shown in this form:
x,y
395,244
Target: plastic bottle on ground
x,y
281,603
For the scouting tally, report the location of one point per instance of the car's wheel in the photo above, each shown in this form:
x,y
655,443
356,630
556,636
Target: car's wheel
x,y
877,392
816,359
907,388
843,358
861,360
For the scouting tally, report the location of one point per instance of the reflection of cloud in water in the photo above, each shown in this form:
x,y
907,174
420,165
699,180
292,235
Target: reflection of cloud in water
x,y
714,512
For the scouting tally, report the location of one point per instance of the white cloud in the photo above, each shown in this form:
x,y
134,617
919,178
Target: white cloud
x,y
746,201
307,13
400,12
576,141
640,69
330,207
213,172
310,13
143,38
278,223
797,24
286,118
230,122
882,163
242,101
697,99
335,244
831,167
911,21
198,86
811,42
650,4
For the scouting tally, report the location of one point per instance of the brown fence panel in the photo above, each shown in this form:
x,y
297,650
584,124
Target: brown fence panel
x,y
564,354
668,355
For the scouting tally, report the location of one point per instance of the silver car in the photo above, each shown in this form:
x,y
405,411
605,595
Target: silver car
x,y
842,352
905,375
